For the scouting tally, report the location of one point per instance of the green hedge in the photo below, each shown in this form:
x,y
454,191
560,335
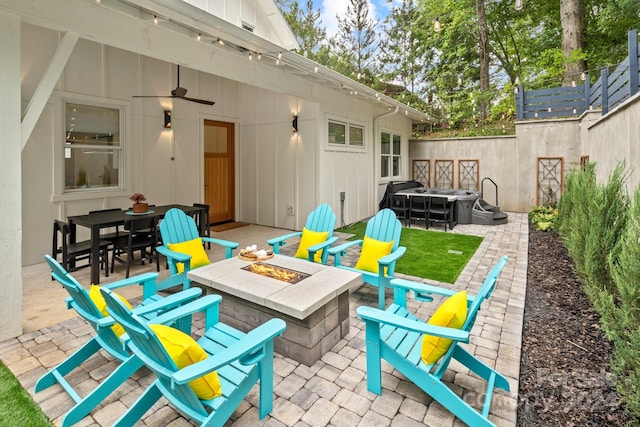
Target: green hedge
x,y
601,229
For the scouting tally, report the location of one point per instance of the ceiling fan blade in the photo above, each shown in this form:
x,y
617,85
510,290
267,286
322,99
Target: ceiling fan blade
x,y
153,96
199,101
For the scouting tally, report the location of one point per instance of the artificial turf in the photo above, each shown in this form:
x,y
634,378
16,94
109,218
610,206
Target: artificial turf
x,y
430,254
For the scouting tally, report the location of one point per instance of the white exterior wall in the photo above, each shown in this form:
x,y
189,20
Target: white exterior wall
x,y
274,166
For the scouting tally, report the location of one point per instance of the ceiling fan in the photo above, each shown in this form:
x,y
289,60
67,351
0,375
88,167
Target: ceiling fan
x,y
178,92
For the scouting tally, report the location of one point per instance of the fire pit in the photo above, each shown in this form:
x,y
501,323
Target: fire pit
x,y
275,272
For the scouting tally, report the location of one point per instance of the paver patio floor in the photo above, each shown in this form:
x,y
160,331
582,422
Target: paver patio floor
x,y
331,392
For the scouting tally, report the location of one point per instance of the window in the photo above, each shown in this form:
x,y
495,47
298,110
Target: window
x,y
390,148
346,134
92,148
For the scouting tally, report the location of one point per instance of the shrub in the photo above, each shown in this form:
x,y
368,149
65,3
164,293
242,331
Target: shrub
x,y
607,218
574,212
544,218
620,312
601,231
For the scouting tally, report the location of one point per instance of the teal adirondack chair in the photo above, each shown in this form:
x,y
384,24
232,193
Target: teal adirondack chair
x,y
395,335
240,359
178,227
105,337
385,227
319,220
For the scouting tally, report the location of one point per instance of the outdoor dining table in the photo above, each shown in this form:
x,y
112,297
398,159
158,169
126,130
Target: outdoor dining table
x,y
99,220
423,192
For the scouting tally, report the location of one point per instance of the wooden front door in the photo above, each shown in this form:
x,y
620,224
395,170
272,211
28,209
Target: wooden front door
x,y
219,171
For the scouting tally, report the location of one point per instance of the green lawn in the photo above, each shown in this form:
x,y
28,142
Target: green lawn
x,y
16,406
430,254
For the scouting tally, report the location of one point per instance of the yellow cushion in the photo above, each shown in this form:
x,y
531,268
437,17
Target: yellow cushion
x,y
185,351
372,251
310,238
101,304
195,249
452,313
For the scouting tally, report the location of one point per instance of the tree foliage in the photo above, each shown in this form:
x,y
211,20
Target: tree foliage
x,y
440,71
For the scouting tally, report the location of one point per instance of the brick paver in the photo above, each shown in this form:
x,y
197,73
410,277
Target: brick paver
x,y
332,391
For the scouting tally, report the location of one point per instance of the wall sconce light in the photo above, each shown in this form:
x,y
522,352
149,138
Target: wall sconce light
x,y
167,119
294,124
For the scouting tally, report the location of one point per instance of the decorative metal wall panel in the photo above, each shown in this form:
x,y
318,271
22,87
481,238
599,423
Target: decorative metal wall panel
x,y
468,175
550,180
583,162
444,174
422,172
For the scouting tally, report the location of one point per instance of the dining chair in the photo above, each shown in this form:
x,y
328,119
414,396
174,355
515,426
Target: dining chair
x,y
114,235
142,236
71,253
401,206
418,209
202,221
439,210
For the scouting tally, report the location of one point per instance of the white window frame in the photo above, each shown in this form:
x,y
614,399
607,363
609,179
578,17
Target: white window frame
x,y
348,126
60,193
391,156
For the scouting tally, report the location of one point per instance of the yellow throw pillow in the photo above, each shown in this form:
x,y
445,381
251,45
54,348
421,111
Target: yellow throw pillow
x,y
452,313
195,249
101,304
372,251
185,351
310,238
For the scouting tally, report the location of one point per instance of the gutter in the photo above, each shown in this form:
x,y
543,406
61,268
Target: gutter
x,y
376,151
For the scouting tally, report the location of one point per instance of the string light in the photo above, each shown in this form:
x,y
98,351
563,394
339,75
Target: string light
x,y
259,56
315,69
155,20
436,25
250,56
199,37
221,42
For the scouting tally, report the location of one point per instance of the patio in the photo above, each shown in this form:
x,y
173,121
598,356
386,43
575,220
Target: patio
x,y
333,390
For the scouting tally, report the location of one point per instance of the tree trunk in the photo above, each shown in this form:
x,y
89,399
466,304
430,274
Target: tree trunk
x,y
571,20
483,42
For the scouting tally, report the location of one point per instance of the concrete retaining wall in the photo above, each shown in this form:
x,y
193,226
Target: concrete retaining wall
x,y
512,161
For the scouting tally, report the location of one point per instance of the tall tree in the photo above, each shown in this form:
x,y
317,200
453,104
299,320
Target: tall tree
x,y
306,26
403,54
571,14
483,50
355,43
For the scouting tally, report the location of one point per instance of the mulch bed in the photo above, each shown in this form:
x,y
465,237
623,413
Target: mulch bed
x,y
565,377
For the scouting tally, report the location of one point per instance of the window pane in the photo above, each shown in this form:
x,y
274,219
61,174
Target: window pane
x,y
384,166
88,124
91,168
396,166
356,136
396,145
92,147
337,133
385,143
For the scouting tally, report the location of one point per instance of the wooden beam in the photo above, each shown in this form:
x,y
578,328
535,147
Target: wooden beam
x,y
46,85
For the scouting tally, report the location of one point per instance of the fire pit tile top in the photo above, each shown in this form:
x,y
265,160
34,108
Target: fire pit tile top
x,y
297,300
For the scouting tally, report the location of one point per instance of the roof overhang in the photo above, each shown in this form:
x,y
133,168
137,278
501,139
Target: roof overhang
x,y
128,24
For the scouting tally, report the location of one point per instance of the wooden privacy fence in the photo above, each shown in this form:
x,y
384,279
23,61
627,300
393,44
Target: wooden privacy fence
x,y
607,93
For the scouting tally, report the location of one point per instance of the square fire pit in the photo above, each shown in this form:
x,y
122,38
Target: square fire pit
x,y
315,303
